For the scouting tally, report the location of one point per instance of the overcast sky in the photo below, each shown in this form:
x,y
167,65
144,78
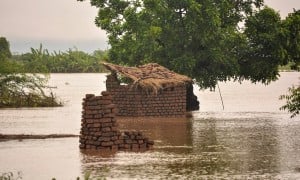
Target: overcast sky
x,y
63,24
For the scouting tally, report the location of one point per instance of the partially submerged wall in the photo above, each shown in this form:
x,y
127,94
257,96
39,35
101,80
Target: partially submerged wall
x,y
99,127
170,102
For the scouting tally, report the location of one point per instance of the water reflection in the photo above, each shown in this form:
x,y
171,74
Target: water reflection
x,y
96,163
167,132
237,145
173,141
195,148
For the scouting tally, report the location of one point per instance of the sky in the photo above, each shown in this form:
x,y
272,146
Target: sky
x,y
62,24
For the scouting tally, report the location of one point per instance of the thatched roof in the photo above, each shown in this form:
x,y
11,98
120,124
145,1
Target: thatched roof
x,y
150,76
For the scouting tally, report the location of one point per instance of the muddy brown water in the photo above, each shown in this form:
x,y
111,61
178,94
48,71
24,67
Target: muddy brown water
x,y
249,139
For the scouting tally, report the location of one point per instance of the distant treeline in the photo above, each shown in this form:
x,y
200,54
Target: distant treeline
x,y
23,78
72,61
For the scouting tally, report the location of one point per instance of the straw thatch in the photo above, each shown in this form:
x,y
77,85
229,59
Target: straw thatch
x,y
150,76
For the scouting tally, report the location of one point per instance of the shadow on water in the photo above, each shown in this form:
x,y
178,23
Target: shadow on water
x,y
236,146
195,148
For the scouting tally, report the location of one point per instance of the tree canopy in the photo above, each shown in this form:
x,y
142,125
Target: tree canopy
x,y
18,89
292,101
291,27
208,40
4,49
264,49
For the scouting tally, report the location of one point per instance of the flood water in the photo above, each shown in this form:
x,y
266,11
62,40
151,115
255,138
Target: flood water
x,y
250,139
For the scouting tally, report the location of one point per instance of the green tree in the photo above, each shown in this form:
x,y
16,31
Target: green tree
x,y
291,27
264,50
37,60
200,38
72,61
25,90
18,89
4,49
292,101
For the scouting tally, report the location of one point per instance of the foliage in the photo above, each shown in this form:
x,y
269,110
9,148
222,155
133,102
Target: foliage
x,y
202,39
4,49
72,61
292,101
291,27
18,89
10,66
264,51
10,176
292,38
197,38
23,90
291,66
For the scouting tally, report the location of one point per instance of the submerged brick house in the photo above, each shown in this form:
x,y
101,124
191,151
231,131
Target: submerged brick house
x,y
152,90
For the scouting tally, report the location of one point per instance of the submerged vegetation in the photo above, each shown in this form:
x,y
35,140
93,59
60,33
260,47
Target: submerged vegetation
x,y
21,86
10,176
292,101
18,89
25,90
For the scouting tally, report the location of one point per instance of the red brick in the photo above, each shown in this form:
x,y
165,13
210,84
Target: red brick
x,y
114,148
99,133
109,106
96,125
135,146
87,96
104,102
105,129
128,141
114,138
109,143
107,124
104,139
105,93
119,141
143,146
108,134
105,120
127,146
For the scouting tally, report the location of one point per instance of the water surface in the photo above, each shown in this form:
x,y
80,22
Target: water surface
x,y
249,139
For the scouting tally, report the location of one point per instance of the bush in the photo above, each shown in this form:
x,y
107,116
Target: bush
x,y
292,101
25,90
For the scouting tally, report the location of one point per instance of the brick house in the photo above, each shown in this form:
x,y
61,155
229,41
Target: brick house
x,y
150,90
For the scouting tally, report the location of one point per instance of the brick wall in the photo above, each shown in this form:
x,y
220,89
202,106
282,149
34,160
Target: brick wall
x,y
130,101
99,127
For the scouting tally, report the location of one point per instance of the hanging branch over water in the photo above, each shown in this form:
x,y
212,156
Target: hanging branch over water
x,y
25,90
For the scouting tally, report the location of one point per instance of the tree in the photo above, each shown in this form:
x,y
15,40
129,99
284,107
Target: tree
x,y
18,89
199,38
4,49
25,90
292,101
264,49
291,27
